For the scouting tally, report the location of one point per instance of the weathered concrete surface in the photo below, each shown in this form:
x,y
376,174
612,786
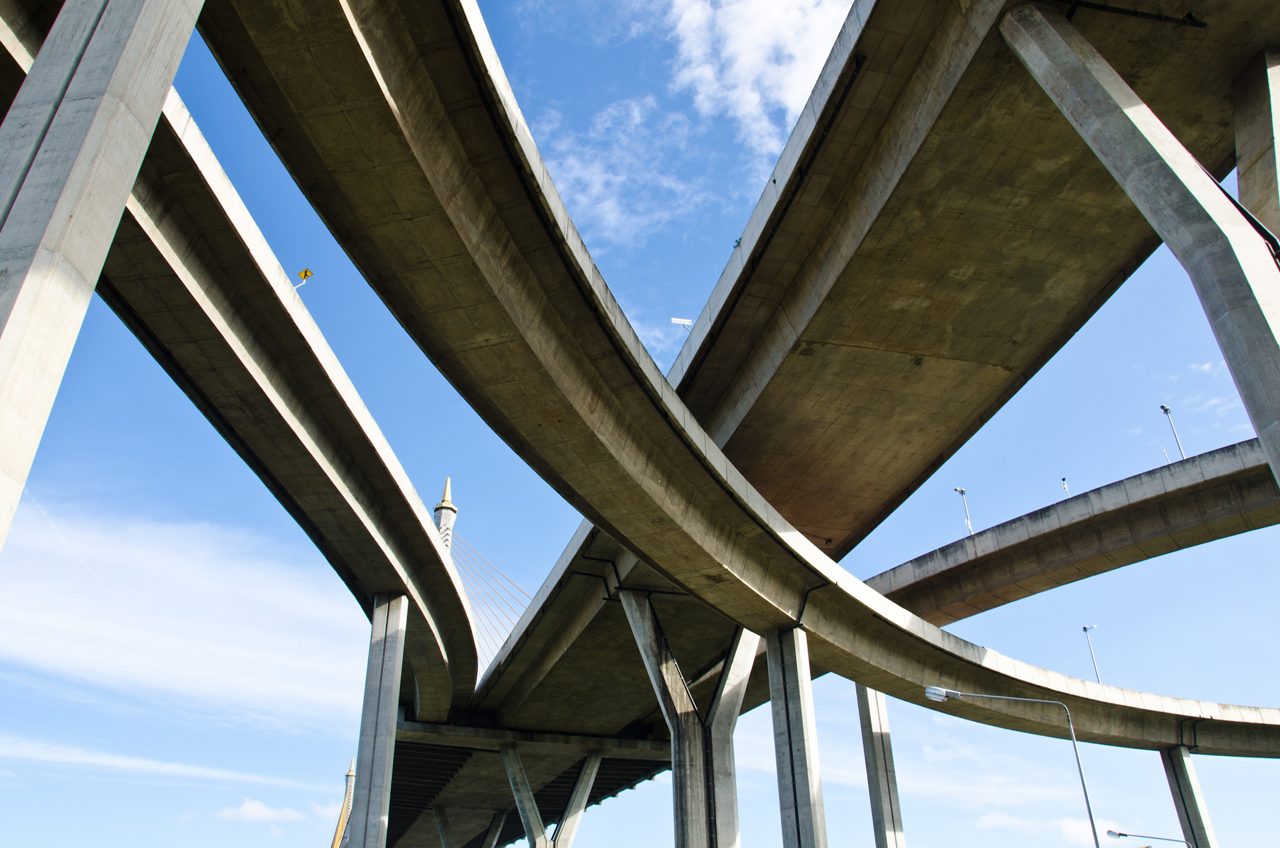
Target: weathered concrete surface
x,y
1170,508
882,777
1232,267
1188,800
190,273
415,153
376,747
398,123
70,148
1257,122
795,740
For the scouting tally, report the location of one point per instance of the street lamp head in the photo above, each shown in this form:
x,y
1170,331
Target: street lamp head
x,y
1089,627
1165,409
1115,834
959,490
939,694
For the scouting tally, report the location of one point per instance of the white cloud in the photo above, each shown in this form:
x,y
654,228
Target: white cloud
x,y
619,175
754,61
256,811
19,749
155,612
1206,367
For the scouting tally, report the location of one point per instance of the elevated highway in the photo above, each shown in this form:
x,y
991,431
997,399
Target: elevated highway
x,y
937,231
192,276
934,232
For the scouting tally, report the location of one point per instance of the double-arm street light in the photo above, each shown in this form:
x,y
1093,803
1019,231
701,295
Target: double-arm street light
x,y
938,693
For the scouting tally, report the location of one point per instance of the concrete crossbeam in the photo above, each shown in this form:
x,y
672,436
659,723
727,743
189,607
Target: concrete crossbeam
x,y
70,149
795,740
492,739
1193,815
882,778
1231,266
371,802
1256,98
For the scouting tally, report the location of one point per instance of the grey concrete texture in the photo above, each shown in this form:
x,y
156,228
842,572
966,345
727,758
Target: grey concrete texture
x,y
439,196
1200,499
1188,799
1234,272
191,274
378,718
70,148
1256,97
882,777
795,739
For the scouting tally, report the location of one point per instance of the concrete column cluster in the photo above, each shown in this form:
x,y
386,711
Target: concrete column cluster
x,y
704,781
71,146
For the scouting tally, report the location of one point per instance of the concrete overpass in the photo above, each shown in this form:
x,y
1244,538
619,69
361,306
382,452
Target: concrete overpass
x,y
885,328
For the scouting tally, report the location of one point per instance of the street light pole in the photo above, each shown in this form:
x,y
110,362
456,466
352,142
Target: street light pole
x,y
968,521
1092,655
938,693
1168,413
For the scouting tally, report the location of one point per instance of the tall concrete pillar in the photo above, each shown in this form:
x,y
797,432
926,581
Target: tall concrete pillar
x,y
882,779
1256,97
1230,264
376,752
1187,798
70,149
795,740
704,777
527,805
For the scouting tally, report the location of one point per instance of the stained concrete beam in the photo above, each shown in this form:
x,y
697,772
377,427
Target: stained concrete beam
x,y
1170,508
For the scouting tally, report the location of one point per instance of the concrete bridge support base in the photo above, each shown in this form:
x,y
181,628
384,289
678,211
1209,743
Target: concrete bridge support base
x,y
70,149
795,740
882,779
1187,798
702,765
1229,262
370,804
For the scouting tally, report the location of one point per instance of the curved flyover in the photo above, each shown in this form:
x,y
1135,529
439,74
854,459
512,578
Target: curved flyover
x,y
418,158
192,276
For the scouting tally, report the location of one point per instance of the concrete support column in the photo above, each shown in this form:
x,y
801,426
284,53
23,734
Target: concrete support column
x,y
882,779
1185,788
494,832
1256,97
704,777
374,757
527,805
1231,266
795,740
70,149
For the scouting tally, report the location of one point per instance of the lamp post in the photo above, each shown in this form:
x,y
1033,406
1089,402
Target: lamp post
x,y
939,693
1092,655
968,521
1168,413
1115,834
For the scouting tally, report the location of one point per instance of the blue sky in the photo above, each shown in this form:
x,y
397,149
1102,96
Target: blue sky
x,y
180,666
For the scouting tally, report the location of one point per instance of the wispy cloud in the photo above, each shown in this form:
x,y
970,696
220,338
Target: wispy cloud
x,y
16,748
157,612
1207,367
619,175
753,61
251,810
